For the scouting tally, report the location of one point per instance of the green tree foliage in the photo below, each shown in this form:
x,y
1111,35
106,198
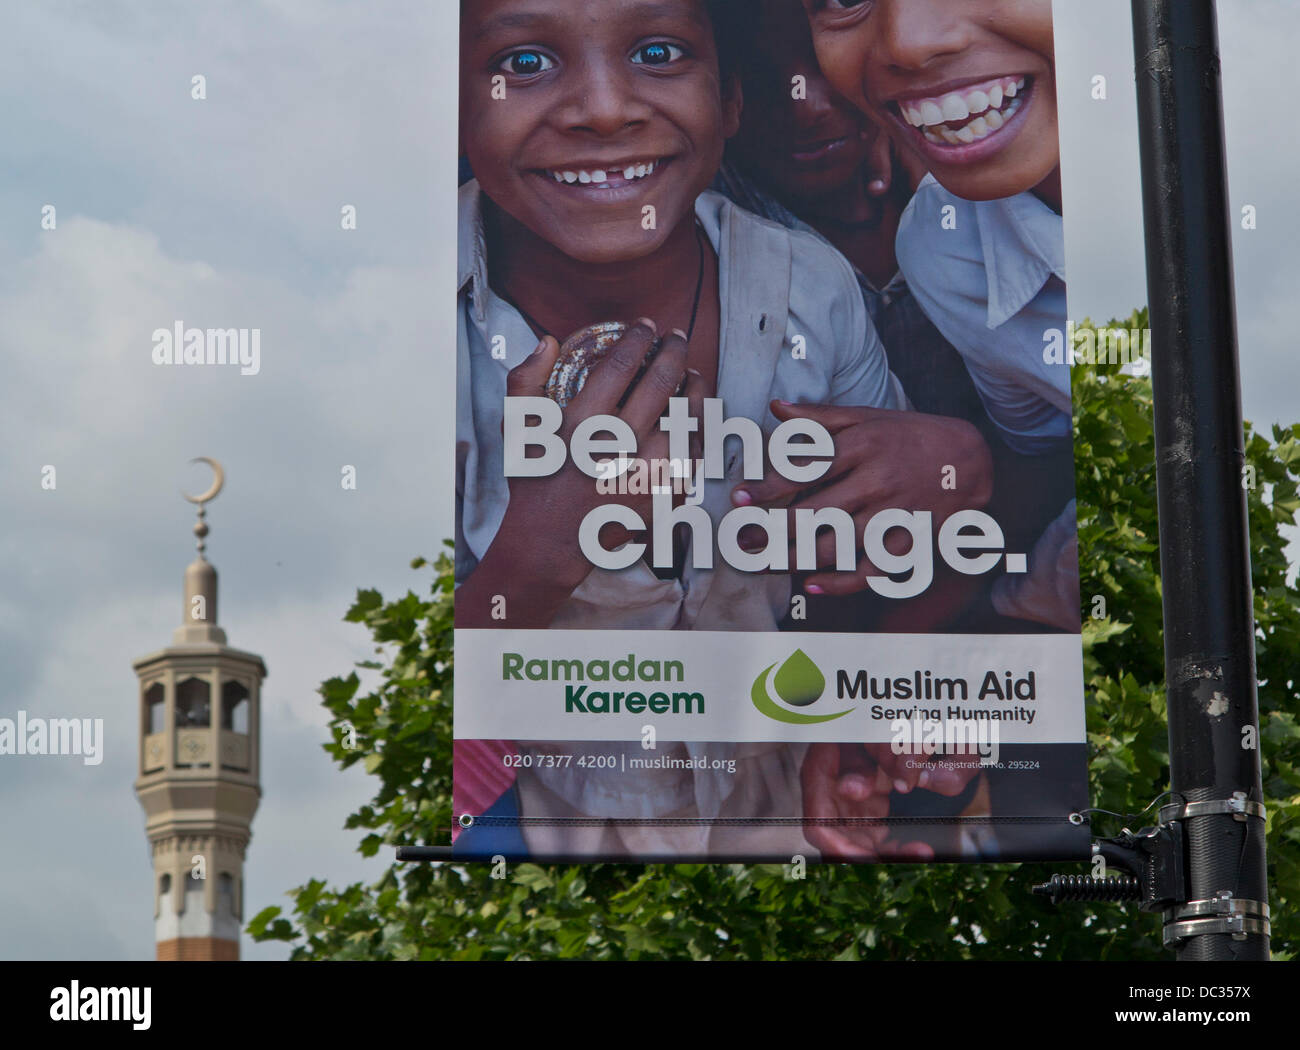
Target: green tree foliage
x,y
693,911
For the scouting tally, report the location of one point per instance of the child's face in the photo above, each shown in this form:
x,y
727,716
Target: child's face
x,y
609,109
968,86
802,148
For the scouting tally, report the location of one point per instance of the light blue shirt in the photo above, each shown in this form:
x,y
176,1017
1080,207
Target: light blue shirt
x,y
995,287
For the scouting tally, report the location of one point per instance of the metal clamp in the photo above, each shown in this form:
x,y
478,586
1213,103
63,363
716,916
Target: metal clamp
x,y
1239,806
1222,903
1238,925
1222,913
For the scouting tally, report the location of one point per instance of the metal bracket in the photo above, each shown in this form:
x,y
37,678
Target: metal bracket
x,y
1239,806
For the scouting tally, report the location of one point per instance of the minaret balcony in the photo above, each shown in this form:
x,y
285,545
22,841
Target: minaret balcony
x,y
195,748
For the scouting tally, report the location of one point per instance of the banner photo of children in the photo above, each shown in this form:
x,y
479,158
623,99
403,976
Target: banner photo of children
x,y
765,524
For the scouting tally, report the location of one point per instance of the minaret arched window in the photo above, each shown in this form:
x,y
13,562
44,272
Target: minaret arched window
x,y
226,893
234,707
193,704
154,711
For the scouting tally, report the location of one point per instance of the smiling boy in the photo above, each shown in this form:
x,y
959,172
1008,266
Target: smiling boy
x,y
593,130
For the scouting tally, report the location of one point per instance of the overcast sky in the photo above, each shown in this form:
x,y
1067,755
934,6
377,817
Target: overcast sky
x,y
225,213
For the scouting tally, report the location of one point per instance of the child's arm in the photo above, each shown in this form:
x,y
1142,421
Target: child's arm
x,y
884,457
534,562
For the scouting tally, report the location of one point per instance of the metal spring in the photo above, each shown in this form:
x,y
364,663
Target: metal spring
x,y
1089,888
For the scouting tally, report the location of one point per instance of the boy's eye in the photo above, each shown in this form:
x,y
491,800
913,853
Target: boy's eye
x,y
815,6
657,54
526,63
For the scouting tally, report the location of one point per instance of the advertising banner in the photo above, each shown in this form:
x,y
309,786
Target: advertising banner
x,y
766,540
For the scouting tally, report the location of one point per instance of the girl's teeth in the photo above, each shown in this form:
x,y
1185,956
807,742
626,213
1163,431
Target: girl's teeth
x,y
629,173
584,178
984,102
570,176
954,108
984,109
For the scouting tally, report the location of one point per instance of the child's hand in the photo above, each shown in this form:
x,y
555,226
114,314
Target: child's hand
x,y
913,770
535,561
554,506
1049,593
883,459
841,782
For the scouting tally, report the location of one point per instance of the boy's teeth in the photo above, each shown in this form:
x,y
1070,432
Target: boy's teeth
x,y
984,109
598,176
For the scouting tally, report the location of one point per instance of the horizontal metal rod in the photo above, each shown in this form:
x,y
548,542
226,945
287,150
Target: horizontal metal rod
x,y
424,853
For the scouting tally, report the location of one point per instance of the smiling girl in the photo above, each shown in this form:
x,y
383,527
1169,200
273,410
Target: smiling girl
x,y
969,89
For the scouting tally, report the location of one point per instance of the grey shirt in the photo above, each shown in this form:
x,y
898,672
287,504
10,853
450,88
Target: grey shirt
x,y
778,289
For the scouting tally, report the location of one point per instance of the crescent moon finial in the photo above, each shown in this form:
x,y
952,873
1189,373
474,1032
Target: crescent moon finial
x,y
218,480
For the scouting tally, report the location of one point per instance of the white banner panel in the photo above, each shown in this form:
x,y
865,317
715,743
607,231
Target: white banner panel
x,y
740,687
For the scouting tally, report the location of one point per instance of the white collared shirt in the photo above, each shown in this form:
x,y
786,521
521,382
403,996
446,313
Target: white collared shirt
x,y
995,286
774,285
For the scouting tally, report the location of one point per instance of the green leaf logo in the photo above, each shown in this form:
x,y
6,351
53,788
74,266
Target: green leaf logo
x,y
798,681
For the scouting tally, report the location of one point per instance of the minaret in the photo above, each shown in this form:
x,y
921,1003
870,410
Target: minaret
x,y
200,718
